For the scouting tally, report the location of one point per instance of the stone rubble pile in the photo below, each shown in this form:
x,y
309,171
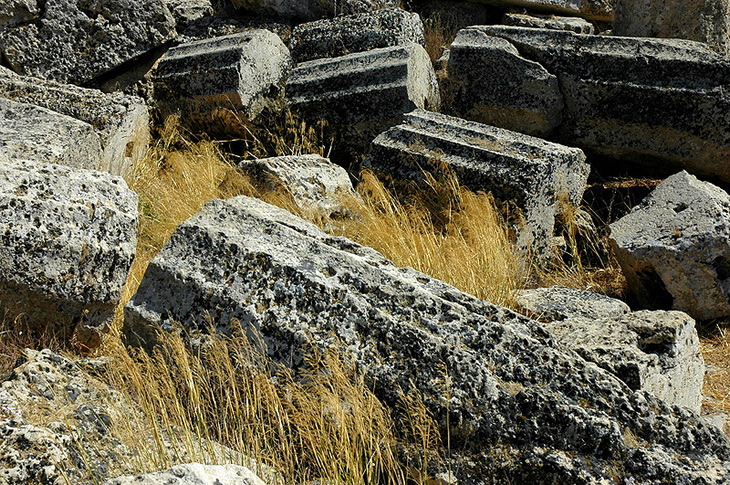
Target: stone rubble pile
x,y
584,390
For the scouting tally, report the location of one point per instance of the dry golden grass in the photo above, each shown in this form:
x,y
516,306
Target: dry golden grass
x,y
324,425
439,32
715,347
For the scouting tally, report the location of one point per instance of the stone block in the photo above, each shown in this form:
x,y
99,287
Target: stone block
x,y
543,21
121,122
312,9
31,132
674,248
534,173
68,238
224,79
355,33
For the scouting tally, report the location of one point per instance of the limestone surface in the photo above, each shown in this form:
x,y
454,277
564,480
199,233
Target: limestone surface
x,y
312,9
659,103
365,93
674,248
534,173
221,78
521,409
490,82
79,40
599,10
560,303
194,474
313,182
701,20
68,238
13,12
355,33
122,122
32,132
543,21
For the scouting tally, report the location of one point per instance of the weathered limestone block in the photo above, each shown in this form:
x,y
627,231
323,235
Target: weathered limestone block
x,y
68,238
222,78
312,9
122,122
674,248
512,393
362,94
657,102
536,174
31,132
77,40
194,474
701,20
13,12
561,303
542,21
186,12
313,182
355,33
490,82
653,351
599,10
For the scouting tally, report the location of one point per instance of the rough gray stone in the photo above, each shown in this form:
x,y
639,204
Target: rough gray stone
x,y
490,82
653,351
223,78
701,20
186,12
599,10
362,94
80,40
122,122
573,24
561,303
521,409
355,33
314,183
674,248
657,102
13,12
312,9
534,173
28,131
194,474
68,241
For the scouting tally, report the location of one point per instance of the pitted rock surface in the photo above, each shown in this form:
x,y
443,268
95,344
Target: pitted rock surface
x,y
312,9
561,303
534,173
80,40
222,78
659,103
360,95
122,122
674,248
13,12
355,33
313,182
490,82
513,393
701,20
599,10
194,474
32,132
544,21
68,241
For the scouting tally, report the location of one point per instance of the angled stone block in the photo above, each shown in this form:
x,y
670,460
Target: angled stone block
x,y
362,94
312,9
598,10
512,390
31,132
674,248
67,241
534,173
659,103
222,78
79,41
490,82
544,21
122,122
355,33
